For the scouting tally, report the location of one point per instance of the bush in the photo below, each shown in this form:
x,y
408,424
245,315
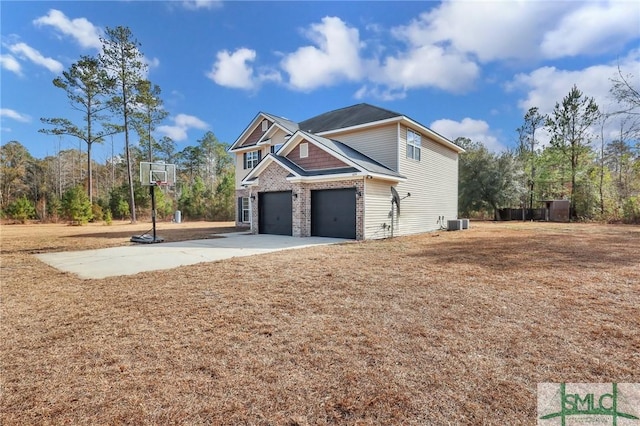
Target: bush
x,y
54,208
108,219
76,206
97,213
631,210
21,210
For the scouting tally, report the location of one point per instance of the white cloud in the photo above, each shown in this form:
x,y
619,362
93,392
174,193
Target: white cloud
x,y
429,66
182,124
10,63
151,63
377,92
488,30
547,85
524,29
476,130
444,48
335,56
23,50
234,69
14,115
83,31
201,4
593,28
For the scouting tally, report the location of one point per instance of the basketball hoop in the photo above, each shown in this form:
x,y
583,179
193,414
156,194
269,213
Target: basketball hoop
x,y
152,175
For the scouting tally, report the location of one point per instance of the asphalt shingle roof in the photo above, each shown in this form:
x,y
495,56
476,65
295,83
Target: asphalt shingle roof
x,y
292,126
346,117
302,172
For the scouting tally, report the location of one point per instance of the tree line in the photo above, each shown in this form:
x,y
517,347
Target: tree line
x,y
111,95
583,161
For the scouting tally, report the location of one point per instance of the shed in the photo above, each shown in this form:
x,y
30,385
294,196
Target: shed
x,y
557,210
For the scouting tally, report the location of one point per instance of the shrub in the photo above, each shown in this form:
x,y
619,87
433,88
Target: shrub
x,y
631,210
21,209
108,219
97,212
76,206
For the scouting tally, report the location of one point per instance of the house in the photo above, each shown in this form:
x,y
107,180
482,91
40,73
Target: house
x,y
334,175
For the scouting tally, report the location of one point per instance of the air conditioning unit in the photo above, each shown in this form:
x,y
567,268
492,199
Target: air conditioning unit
x,y
454,224
465,223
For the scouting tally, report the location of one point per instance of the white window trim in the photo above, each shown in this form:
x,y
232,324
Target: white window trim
x,y
246,210
253,161
415,147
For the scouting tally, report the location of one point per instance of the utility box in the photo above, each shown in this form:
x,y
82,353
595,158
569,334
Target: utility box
x,y
454,225
177,217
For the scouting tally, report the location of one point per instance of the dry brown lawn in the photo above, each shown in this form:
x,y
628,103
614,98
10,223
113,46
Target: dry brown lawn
x,y
441,328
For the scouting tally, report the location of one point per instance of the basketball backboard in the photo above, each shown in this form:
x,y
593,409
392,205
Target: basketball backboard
x,y
157,174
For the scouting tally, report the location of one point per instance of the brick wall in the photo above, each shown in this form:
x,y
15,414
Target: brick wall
x,y
273,178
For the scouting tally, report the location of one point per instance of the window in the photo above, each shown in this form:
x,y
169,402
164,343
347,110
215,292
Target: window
x,y
251,159
414,145
246,210
275,148
265,125
304,150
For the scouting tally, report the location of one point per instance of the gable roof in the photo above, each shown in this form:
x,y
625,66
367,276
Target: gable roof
x,y
283,123
343,120
359,164
346,117
287,124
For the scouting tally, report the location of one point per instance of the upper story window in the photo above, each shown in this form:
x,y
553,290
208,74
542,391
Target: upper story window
x,y
414,145
275,148
265,125
251,159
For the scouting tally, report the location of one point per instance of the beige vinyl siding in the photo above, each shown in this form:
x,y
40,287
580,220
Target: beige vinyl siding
x,y
379,143
241,172
278,137
377,205
433,184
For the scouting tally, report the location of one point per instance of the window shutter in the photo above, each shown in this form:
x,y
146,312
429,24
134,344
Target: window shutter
x,y
244,160
259,155
239,209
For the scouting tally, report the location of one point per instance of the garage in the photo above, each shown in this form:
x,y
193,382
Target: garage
x,y
333,213
274,213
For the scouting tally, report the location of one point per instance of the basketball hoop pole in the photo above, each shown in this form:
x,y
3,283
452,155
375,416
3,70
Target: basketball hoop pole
x,y
152,188
152,175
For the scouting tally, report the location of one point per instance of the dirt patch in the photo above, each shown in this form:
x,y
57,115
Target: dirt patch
x,y
441,328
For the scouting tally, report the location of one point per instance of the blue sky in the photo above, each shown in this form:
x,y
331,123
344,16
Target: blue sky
x,y
461,68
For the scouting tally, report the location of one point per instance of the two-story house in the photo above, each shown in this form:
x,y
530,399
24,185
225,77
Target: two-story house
x,y
332,175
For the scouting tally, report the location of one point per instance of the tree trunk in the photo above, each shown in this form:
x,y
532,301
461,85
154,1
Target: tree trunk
x,y
90,172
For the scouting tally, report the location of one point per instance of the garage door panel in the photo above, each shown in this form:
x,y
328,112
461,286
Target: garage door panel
x,y
333,213
274,213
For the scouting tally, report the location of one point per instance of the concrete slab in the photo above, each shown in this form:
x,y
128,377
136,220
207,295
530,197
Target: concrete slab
x,y
129,260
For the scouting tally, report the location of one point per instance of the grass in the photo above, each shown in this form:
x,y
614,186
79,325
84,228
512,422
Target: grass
x,y
440,328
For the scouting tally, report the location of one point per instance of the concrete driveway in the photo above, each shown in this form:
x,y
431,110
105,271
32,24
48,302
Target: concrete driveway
x,y
129,260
